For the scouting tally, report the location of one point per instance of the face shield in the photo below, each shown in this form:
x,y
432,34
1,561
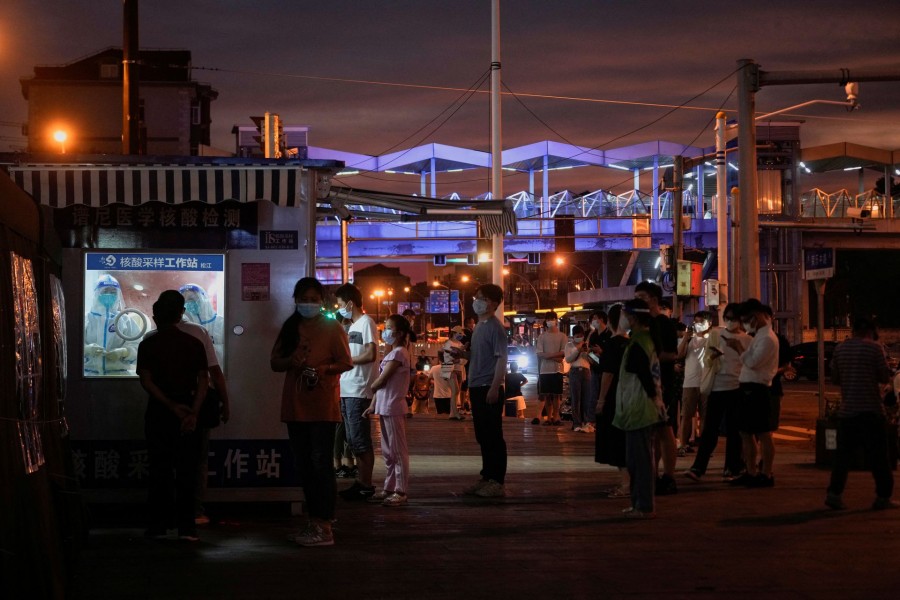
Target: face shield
x,y
107,296
197,307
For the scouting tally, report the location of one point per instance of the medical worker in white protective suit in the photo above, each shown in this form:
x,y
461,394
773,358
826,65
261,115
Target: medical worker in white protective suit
x,y
198,309
105,351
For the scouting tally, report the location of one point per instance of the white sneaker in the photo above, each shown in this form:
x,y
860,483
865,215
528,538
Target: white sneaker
x,y
491,489
396,499
578,429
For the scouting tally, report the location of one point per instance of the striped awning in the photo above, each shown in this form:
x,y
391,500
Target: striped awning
x,y
60,186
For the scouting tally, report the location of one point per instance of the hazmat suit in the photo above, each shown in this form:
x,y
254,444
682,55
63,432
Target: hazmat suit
x,y
106,352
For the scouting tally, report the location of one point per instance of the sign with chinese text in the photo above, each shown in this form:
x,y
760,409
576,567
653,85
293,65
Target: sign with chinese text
x,y
278,240
818,263
117,261
255,282
232,463
437,301
159,215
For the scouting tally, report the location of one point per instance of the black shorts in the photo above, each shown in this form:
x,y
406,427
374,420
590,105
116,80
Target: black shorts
x,y
550,383
758,410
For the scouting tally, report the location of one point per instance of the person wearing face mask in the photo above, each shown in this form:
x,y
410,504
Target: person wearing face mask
x,y
487,354
610,441
199,309
356,389
724,397
312,351
453,369
579,380
692,350
551,350
757,417
391,387
600,334
106,352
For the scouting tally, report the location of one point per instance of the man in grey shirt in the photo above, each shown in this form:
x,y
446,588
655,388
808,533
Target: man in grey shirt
x,y
487,371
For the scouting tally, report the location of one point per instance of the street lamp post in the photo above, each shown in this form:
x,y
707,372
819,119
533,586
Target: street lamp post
x,y
537,297
435,283
561,261
377,294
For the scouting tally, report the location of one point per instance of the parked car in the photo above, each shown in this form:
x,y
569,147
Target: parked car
x,y
805,361
519,356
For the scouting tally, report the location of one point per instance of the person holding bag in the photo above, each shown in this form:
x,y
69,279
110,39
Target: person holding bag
x,y
312,351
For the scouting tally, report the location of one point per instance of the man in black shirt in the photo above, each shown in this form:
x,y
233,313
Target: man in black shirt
x,y
172,368
665,339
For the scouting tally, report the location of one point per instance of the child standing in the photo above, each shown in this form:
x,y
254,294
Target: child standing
x,y
390,389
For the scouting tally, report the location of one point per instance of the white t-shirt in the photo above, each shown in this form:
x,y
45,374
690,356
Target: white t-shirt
x,y
441,384
692,366
357,382
551,342
199,332
730,361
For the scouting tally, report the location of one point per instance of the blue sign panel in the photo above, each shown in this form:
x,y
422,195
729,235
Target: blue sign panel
x,y
107,261
437,301
818,263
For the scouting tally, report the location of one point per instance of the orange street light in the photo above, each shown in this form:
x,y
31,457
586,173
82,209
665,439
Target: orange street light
x,y
60,137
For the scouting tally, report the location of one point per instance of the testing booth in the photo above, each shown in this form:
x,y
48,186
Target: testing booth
x,y
234,236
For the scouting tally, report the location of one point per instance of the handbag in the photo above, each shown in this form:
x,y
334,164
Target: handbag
x,y
211,410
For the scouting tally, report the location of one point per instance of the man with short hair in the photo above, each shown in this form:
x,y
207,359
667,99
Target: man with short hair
x,y
172,368
551,350
757,413
579,381
600,334
356,389
665,339
860,368
487,372
692,350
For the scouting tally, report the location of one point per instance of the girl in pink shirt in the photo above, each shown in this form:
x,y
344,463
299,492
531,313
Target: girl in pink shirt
x,y
390,405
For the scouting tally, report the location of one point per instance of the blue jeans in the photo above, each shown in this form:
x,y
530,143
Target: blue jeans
x,y
358,428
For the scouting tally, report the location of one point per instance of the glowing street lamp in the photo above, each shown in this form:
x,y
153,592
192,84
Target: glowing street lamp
x,y
377,294
60,137
560,261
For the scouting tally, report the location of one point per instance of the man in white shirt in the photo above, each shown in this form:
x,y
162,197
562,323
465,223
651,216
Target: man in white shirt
x,y
356,389
757,413
692,350
551,349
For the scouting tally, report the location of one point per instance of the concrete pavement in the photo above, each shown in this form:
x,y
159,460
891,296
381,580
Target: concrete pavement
x,y
554,536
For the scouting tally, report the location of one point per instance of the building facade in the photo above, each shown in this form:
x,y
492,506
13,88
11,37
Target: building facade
x,y
84,99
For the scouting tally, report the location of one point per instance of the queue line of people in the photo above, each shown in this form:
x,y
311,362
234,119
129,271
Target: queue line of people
x,y
331,377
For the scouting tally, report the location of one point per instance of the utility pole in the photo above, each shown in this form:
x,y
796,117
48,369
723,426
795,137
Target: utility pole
x,y
677,226
130,79
722,213
496,147
750,80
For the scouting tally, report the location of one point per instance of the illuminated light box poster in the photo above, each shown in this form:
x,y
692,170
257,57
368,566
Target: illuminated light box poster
x,y
255,282
119,291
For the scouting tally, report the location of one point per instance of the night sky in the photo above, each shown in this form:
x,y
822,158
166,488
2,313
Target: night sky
x,y
632,51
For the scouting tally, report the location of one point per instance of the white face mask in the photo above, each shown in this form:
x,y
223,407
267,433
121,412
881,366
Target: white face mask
x,y
750,327
480,306
387,336
578,340
552,324
597,325
624,324
701,327
309,310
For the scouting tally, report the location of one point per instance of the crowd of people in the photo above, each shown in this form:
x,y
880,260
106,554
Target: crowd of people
x,y
647,397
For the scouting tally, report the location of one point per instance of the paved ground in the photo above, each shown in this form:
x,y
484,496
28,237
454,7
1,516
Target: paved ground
x,y
554,536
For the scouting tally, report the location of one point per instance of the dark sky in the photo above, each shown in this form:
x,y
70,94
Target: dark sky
x,y
632,51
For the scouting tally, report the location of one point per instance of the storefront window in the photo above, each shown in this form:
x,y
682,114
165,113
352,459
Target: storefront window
x,y
119,292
